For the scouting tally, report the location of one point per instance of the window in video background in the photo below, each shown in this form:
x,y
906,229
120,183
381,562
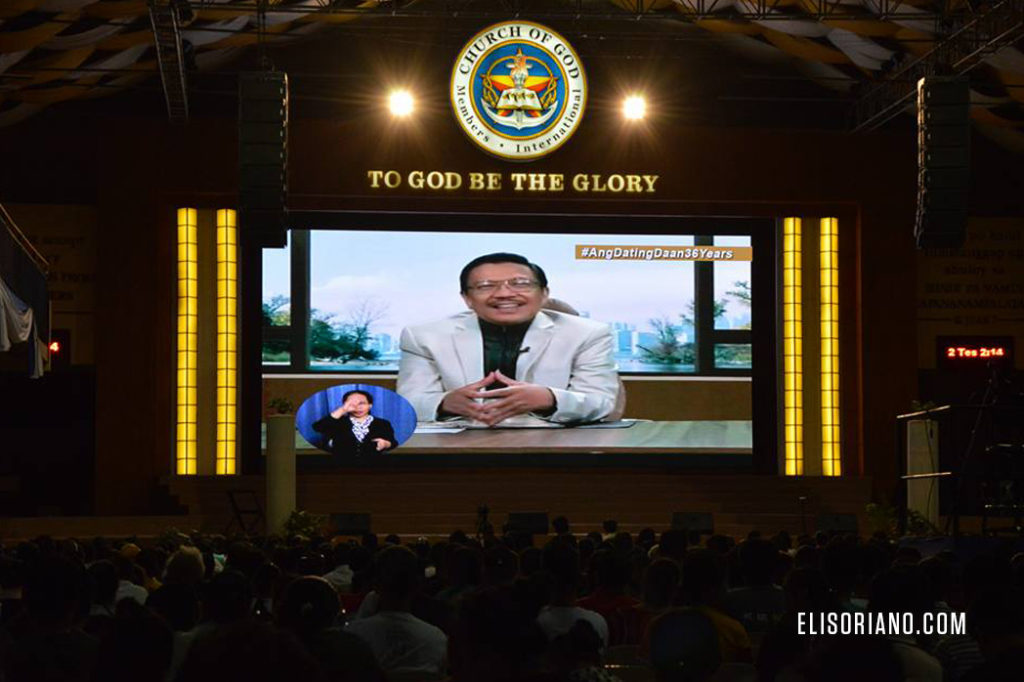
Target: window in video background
x,y
732,305
367,285
277,305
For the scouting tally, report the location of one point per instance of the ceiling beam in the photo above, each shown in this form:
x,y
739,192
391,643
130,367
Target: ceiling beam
x,y
163,16
541,10
1000,26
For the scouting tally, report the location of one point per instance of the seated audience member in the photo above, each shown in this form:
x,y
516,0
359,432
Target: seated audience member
x,y
463,573
720,544
501,566
245,558
782,541
576,655
266,581
784,649
684,646
531,560
562,564
622,542
959,654
673,545
103,583
807,556
341,575
152,561
185,567
877,555
609,528
841,566
907,556
226,599
703,588
903,589
399,640
853,658
127,573
609,571
309,610
661,580
996,620
12,582
758,604
249,651
43,642
646,539
495,638
560,525
938,573
177,604
137,647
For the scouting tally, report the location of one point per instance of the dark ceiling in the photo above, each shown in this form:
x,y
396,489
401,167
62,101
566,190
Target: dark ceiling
x,y
805,64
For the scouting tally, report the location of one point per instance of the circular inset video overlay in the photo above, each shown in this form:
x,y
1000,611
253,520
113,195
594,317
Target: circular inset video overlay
x,y
356,420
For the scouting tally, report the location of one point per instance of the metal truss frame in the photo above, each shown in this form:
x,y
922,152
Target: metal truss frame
x,y
163,17
692,10
963,50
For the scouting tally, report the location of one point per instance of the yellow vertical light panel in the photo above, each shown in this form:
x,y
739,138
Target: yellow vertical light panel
x,y
227,341
831,462
792,348
187,335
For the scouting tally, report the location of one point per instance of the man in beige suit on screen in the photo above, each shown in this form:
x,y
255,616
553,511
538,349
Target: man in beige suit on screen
x,y
506,358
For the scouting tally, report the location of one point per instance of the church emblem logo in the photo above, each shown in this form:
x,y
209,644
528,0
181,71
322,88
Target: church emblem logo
x,y
518,90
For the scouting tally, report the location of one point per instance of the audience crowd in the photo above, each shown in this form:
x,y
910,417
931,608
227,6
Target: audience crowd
x,y
603,607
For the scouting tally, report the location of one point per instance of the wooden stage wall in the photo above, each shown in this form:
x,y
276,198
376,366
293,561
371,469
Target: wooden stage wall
x,y
438,501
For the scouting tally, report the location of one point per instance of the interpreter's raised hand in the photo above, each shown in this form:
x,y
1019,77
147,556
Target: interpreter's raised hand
x,y
381,444
345,408
463,401
518,397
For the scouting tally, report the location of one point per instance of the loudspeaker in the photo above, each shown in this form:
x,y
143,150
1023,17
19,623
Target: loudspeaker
x,y
263,156
350,523
531,523
837,523
702,522
943,161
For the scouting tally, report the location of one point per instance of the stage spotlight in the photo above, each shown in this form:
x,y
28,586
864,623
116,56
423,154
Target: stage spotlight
x,y
634,108
400,103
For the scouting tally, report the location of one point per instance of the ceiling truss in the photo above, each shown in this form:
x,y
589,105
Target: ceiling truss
x,y
1001,25
163,17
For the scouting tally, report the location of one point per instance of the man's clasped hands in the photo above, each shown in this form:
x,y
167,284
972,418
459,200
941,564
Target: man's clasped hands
x,y
498,404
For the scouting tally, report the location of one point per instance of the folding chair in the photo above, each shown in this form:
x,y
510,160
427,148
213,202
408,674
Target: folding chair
x,y
246,512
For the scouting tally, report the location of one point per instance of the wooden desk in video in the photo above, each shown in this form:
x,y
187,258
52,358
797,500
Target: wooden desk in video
x,y
676,437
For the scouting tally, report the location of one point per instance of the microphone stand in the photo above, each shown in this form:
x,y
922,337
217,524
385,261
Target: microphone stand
x,y
990,397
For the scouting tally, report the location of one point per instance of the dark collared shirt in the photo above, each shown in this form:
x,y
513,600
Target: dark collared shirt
x,y
502,347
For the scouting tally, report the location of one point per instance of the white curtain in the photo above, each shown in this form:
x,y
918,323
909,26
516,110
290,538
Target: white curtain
x,y
17,325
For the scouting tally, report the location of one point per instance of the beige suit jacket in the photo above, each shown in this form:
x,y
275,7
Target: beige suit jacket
x,y
570,355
